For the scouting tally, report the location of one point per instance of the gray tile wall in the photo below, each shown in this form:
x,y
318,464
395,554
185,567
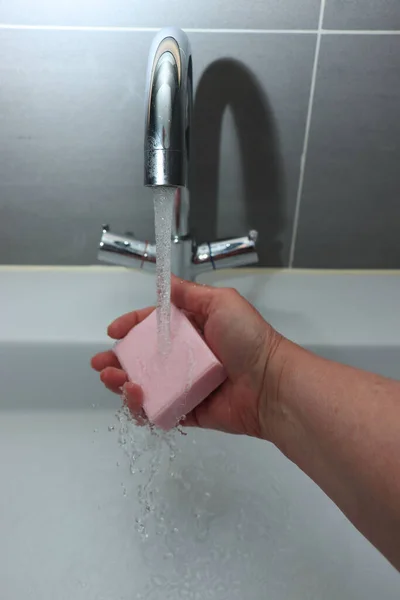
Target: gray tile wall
x,y
350,209
161,13
296,127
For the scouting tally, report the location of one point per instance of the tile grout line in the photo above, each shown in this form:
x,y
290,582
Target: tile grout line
x,y
306,137
122,29
22,27
360,32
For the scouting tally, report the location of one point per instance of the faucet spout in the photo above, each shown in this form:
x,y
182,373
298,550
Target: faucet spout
x,y
168,110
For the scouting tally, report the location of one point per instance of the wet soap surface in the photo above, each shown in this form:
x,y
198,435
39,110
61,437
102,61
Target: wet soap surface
x,y
175,382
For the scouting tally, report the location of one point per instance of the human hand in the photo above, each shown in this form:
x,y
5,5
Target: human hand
x,y
241,340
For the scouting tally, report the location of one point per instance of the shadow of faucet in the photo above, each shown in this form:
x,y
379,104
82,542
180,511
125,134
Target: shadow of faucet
x,y
228,83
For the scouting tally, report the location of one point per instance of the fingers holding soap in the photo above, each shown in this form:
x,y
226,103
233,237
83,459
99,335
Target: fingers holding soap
x,y
102,360
113,379
132,394
116,380
121,326
192,297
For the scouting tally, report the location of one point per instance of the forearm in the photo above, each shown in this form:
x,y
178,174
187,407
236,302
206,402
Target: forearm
x,y
341,426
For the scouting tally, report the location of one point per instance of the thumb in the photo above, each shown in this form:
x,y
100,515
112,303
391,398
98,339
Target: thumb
x,y
192,297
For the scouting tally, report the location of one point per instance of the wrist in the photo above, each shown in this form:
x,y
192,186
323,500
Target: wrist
x,y
273,405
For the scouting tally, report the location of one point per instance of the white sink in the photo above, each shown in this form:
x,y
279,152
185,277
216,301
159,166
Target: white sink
x,y
250,524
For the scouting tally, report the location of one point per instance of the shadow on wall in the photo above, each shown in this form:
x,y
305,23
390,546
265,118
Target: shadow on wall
x,y
227,83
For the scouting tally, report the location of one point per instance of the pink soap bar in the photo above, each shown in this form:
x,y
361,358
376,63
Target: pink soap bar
x,y
173,384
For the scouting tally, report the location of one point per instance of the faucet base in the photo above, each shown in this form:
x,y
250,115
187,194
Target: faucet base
x,y
187,259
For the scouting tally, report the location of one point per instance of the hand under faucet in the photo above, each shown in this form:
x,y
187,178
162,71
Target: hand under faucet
x,y
340,425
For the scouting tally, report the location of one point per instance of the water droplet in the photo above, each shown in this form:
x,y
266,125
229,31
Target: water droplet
x,y
150,452
158,581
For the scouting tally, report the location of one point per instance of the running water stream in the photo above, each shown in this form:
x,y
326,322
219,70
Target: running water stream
x,y
140,442
175,509
163,211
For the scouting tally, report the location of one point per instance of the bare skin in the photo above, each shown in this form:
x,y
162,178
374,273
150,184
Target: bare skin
x,y
340,425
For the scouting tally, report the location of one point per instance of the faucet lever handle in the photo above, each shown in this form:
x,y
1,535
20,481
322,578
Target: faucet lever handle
x,y
125,250
228,253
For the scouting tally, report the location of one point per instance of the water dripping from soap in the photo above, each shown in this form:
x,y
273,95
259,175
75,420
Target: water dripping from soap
x,y
154,449
194,536
163,211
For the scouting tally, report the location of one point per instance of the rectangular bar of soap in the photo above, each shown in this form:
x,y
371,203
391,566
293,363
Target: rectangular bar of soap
x,y
173,384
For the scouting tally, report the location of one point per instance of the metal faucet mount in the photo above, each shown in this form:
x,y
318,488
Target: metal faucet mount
x,y
168,111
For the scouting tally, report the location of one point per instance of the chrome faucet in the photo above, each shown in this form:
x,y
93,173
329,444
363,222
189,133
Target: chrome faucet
x,y
169,100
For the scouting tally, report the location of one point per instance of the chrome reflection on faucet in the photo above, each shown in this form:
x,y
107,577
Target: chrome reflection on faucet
x,y
168,110
169,99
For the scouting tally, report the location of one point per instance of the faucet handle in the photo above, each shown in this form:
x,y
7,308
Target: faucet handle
x,y
229,253
125,250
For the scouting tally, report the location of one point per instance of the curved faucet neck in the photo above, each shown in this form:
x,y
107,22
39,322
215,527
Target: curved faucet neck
x,y
169,98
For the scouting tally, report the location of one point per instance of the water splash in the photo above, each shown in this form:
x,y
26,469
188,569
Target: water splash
x,y
195,529
149,446
163,211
